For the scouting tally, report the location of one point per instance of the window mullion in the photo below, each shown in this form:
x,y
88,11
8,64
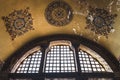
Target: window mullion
x,y
42,60
77,59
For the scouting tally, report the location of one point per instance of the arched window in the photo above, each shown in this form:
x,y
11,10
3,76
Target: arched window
x,y
62,58
29,63
90,61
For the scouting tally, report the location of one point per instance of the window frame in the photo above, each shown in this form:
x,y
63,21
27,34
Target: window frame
x,y
60,43
76,42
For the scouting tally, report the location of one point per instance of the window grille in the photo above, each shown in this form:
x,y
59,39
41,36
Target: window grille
x,y
31,64
100,79
89,64
60,59
60,79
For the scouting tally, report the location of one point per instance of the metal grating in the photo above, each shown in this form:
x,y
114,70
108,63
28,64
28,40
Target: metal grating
x,y
88,63
60,79
31,64
60,59
100,79
20,79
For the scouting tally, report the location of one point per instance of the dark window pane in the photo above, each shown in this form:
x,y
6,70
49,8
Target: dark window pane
x,y
20,79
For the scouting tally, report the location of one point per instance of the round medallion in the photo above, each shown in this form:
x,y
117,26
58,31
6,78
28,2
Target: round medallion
x,y
19,23
98,22
58,13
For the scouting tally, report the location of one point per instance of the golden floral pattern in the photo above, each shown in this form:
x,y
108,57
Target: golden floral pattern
x,y
18,22
100,21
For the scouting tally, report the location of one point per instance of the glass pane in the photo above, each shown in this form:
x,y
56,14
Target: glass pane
x,y
31,64
89,64
60,59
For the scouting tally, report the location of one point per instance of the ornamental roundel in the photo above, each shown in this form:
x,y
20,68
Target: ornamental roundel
x,y
58,13
100,21
18,22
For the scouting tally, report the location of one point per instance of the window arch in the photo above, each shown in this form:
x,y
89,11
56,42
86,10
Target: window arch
x,y
62,58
